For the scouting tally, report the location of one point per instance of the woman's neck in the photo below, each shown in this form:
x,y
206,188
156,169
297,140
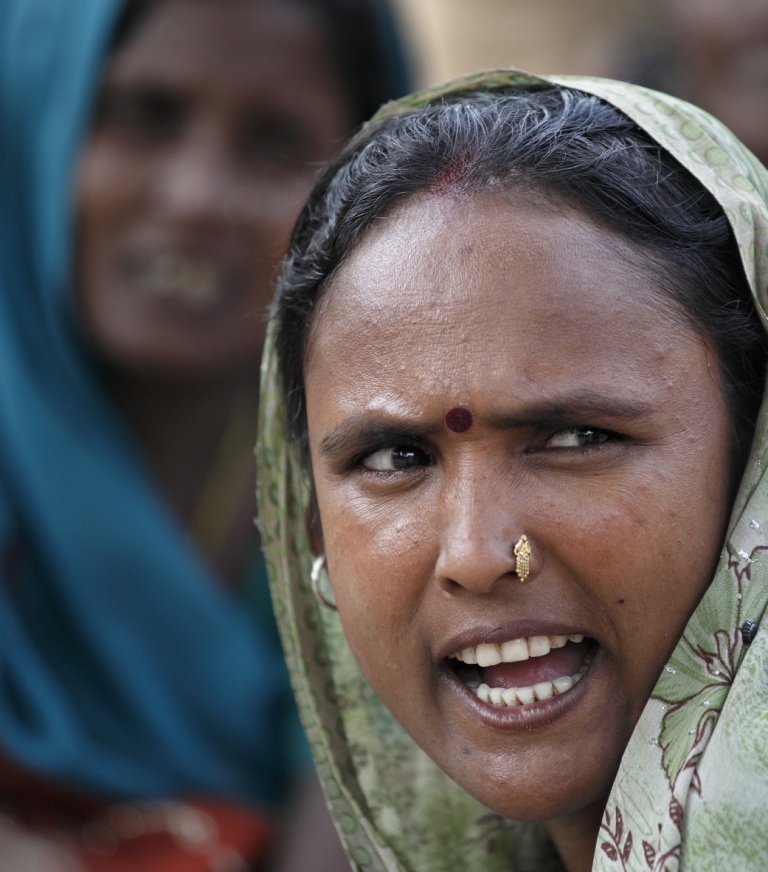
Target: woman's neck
x,y
575,836
179,428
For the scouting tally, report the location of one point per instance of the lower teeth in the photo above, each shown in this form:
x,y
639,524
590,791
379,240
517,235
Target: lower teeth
x,y
508,697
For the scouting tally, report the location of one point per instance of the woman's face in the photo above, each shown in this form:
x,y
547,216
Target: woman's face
x,y
722,46
213,119
597,428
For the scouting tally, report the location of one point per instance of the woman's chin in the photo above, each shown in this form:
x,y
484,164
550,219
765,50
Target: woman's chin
x,y
537,760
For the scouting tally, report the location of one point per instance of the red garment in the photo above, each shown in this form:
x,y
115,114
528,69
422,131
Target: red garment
x,y
195,836
51,827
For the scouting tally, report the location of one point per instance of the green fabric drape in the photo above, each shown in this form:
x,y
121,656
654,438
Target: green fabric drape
x,y
692,789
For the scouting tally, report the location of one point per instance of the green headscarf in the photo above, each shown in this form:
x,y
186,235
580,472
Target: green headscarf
x,y
692,789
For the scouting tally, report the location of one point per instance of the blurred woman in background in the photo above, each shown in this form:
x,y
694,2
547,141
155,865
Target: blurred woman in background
x,y
139,658
711,52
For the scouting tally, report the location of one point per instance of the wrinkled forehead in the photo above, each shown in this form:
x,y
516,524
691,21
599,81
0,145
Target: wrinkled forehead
x,y
404,266
441,276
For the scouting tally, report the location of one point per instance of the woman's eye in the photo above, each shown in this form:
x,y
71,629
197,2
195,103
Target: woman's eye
x,y
397,457
577,437
145,113
275,139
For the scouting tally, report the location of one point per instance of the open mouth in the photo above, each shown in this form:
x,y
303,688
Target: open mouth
x,y
524,670
195,281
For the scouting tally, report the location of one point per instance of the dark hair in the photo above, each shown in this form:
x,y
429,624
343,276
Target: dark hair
x,y
363,39
559,143
133,13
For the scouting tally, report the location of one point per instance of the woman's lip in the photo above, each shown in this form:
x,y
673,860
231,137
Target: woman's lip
x,y
202,243
231,255
522,717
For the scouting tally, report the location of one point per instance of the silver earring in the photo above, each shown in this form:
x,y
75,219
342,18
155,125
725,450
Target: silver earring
x,y
318,565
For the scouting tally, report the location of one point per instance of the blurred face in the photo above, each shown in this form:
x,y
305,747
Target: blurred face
x,y
724,50
213,119
476,372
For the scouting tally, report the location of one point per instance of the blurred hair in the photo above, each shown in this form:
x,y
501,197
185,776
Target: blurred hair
x,y
363,39
544,142
134,11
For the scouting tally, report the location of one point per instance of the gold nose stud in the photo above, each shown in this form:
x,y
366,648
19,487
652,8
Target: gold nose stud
x,y
523,558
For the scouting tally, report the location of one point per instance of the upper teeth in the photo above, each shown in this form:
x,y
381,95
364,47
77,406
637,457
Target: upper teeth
x,y
196,280
489,654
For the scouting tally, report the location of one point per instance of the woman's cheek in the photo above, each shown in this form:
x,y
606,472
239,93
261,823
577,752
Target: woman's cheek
x,y
379,560
110,180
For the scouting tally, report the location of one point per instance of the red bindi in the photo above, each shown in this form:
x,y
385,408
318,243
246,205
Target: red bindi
x,y
458,419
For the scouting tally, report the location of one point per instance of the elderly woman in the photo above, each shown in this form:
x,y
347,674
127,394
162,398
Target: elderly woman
x,y
514,382
155,154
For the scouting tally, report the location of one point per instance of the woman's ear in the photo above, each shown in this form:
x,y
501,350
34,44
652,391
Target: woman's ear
x,y
314,527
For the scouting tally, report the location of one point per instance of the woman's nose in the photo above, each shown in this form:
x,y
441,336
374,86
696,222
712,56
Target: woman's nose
x,y
194,184
479,534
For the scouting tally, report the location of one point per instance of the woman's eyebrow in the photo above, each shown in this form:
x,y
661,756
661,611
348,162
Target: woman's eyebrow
x,y
576,407
360,431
